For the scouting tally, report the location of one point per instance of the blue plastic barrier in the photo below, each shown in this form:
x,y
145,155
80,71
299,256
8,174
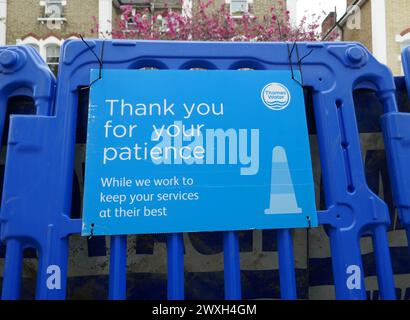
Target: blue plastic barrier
x,y
22,73
396,129
37,197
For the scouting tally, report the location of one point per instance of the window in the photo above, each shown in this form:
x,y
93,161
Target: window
x,y
238,8
163,23
53,7
129,22
35,46
49,49
53,57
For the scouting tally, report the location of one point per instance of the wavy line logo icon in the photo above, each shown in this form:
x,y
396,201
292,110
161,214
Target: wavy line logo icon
x,y
276,96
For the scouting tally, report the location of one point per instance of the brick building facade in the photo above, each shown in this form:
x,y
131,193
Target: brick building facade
x,y
45,24
382,26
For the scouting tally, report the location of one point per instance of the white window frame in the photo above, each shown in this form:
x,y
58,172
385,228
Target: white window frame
x,y
44,3
42,44
127,23
163,26
34,45
246,10
52,64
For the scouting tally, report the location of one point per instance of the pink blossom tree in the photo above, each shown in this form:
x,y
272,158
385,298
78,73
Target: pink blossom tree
x,y
208,23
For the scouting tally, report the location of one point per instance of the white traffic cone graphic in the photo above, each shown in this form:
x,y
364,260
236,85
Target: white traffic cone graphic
x,y
282,193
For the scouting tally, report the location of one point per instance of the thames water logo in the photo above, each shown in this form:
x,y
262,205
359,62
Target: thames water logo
x,y
276,96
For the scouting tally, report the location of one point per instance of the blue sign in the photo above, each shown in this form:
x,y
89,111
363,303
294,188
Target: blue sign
x,y
195,151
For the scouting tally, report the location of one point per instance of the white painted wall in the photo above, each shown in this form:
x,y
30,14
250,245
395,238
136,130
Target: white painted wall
x,y
187,8
292,8
379,32
105,18
3,17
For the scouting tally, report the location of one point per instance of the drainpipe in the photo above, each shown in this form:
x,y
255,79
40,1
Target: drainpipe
x,y
187,8
291,6
3,17
379,32
104,18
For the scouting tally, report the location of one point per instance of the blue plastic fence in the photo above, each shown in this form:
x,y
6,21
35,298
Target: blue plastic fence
x,y
36,201
396,129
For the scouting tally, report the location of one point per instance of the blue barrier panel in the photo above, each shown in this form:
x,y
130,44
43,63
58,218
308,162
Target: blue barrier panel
x,y
22,73
396,129
331,70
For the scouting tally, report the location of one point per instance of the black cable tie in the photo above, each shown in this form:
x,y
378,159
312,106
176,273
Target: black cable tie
x,y
299,66
309,223
290,55
91,231
295,48
306,55
100,61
